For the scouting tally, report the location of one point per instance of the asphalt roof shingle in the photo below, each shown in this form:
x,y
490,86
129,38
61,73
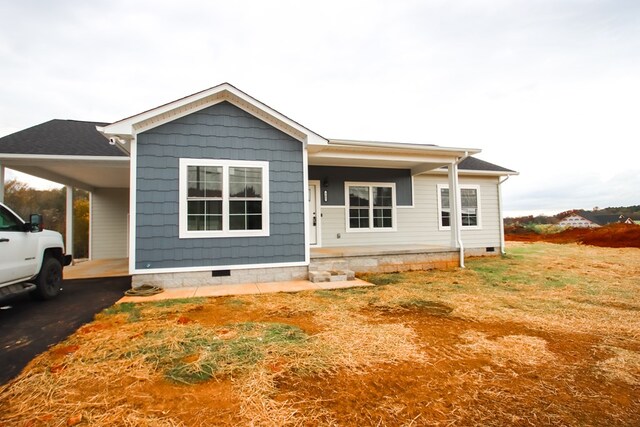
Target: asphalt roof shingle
x,y
472,163
60,137
80,138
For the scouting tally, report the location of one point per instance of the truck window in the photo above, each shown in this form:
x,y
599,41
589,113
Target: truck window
x,y
8,222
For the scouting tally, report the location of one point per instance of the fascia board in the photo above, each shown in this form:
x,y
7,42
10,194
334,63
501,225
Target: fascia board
x,y
223,92
404,147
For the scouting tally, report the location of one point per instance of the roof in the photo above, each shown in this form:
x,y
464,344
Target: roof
x,y
123,130
475,164
600,219
60,137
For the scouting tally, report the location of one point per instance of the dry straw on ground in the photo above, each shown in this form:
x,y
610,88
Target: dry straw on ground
x,y
547,335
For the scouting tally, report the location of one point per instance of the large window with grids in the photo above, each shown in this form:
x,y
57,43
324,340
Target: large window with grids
x,y
469,206
223,198
370,206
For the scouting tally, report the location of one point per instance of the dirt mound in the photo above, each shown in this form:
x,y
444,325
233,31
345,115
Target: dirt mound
x,y
609,236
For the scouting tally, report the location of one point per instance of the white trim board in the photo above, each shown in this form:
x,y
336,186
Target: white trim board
x,y
184,233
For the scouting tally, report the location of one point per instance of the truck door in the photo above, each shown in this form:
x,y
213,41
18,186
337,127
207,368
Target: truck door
x,y
16,259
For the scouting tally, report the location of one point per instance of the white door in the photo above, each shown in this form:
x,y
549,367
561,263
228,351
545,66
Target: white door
x,y
314,216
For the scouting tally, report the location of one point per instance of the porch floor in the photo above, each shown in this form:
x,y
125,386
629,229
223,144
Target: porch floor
x,y
354,251
95,269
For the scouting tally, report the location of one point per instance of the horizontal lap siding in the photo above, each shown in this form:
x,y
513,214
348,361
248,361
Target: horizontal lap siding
x,y
222,131
109,211
419,224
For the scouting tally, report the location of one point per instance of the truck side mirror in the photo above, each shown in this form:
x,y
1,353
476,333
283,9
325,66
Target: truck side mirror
x,y
35,222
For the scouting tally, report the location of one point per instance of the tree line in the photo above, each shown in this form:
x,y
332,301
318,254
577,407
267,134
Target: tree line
x,y
51,204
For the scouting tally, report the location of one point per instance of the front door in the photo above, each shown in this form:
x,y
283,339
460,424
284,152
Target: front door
x,y
314,215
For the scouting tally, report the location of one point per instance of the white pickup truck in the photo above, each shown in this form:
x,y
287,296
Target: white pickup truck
x,y
31,259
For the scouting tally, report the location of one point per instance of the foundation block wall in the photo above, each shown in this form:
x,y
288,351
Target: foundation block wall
x,y
205,278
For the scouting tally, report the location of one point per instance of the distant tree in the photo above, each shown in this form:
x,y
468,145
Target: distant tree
x,y
51,204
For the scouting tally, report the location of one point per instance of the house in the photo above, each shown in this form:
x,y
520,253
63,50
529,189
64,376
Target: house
x,y
586,219
218,187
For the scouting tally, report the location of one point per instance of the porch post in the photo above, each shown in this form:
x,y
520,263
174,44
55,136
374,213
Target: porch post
x,y
1,183
69,221
454,216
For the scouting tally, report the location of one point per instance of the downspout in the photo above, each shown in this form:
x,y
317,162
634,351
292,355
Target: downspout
x,y
502,245
458,215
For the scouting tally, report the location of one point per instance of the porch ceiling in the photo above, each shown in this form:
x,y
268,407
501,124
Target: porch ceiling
x,y
85,172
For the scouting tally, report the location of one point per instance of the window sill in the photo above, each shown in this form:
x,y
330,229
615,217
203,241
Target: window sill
x,y
222,234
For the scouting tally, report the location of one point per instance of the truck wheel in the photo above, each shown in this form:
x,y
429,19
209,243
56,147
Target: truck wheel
x,y
49,279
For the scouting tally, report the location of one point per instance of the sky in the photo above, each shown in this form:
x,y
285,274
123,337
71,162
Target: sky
x,y
549,88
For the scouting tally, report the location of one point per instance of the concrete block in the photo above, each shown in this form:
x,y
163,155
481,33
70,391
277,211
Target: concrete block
x,y
319,276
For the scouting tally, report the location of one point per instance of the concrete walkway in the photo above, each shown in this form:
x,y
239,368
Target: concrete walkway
x,y
247,289
95,269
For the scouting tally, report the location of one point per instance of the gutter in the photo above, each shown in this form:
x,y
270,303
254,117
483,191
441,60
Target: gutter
x,y
501,219
457,219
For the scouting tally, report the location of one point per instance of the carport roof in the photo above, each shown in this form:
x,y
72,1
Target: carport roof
x,y
62,138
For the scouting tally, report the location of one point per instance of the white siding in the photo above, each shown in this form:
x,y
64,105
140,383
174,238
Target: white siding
x,y
109,210
419,224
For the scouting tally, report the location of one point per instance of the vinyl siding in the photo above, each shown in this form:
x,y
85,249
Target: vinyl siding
x,y
419,224
109,211
222,131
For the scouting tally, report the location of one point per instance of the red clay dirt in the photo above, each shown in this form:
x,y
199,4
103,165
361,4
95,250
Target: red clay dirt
x,y
609,236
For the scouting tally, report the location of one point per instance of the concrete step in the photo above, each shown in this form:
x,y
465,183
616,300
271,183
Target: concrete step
x,y
318,276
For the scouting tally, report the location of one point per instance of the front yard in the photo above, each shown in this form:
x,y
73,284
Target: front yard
x,y
549,335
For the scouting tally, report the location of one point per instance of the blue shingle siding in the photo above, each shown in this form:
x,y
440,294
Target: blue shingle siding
x,y
222,131
336,176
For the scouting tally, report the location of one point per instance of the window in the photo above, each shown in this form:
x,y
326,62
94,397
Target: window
x,y
8,221
371,207
223,198
469,206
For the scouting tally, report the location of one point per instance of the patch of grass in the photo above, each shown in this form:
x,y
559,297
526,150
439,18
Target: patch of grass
x,y
194,354
384,279
178,301
131,309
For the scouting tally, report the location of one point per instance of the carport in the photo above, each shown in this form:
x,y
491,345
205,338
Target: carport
x,y
73,153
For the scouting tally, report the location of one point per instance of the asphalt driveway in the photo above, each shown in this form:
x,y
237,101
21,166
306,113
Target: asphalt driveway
x,y
28,327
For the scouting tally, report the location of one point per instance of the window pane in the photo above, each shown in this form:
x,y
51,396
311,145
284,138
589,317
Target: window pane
x,y
195,207
237,222
382,196
245,182
444,194
254,222
195,222
214,223
237,208
204,181
213,207
445,219
469,198
254,207
195,189
358,196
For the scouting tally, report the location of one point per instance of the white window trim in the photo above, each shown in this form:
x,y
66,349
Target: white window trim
x,y
461,187
225,232
371,228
